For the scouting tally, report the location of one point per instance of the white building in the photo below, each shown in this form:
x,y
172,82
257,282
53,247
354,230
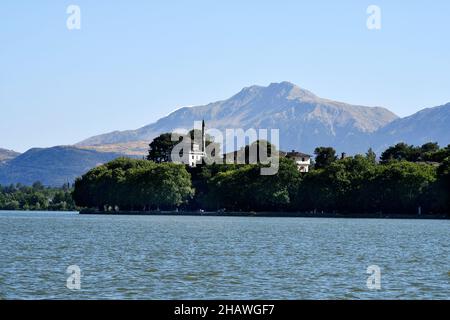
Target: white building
x,y
196,154
302,160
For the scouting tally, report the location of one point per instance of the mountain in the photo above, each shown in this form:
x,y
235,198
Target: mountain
x,y
304,119
6,155
427,125
133,148
52,166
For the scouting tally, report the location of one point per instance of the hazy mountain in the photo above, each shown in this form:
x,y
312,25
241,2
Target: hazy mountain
x,y
133,148
6,155
52,166
427,125
304,119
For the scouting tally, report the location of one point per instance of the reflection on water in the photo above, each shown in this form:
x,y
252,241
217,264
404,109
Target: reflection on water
x,y
168,257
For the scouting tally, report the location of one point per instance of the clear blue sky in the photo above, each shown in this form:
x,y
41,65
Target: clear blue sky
x,y
135,61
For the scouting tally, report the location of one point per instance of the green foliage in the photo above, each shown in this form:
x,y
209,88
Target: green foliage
x,y
130,184
428,152
399,186
161,148
36,197
350,185
438,155
407,178
359,185
401,151
201,178
335,187
441,189
242,187
371,156
325,156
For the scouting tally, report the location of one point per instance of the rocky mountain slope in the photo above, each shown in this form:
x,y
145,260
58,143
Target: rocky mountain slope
x,y
6,155
51,166
304,119
427,125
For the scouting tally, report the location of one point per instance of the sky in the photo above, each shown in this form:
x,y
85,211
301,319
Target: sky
x,y
133,62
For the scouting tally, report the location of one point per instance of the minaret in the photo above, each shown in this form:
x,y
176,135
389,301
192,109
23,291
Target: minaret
x,y
203,137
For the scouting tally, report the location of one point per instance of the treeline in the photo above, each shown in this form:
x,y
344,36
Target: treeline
x,y
350,185
129,184
356,184
429,152
36,197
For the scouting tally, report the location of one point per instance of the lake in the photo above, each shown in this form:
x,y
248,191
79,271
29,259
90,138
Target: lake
x,y
174,257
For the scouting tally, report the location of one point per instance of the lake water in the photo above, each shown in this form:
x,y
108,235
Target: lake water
x,y
172,257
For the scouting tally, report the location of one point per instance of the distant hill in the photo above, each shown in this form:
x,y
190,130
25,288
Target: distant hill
x,y
52,166
427,125
133,148
6,155
304,119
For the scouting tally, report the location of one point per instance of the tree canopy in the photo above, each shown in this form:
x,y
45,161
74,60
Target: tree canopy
x,y
243,188
161,147
324,156
36,197
129,184
427,152
356,184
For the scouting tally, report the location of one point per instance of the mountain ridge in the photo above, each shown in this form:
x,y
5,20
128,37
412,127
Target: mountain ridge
x,y
52,166
427,125
6,155
298,113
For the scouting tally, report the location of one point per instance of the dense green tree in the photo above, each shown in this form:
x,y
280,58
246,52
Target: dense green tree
x,y
401,151
324,156
161,148
336,187
430,147
201,176
359,185
427,152
242,187
350,185
160,186
129,184
36,197
371,156
438,155
38,186
400,185
441,189
420,179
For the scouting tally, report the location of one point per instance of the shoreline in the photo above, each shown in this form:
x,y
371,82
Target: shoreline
x,y
269,214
